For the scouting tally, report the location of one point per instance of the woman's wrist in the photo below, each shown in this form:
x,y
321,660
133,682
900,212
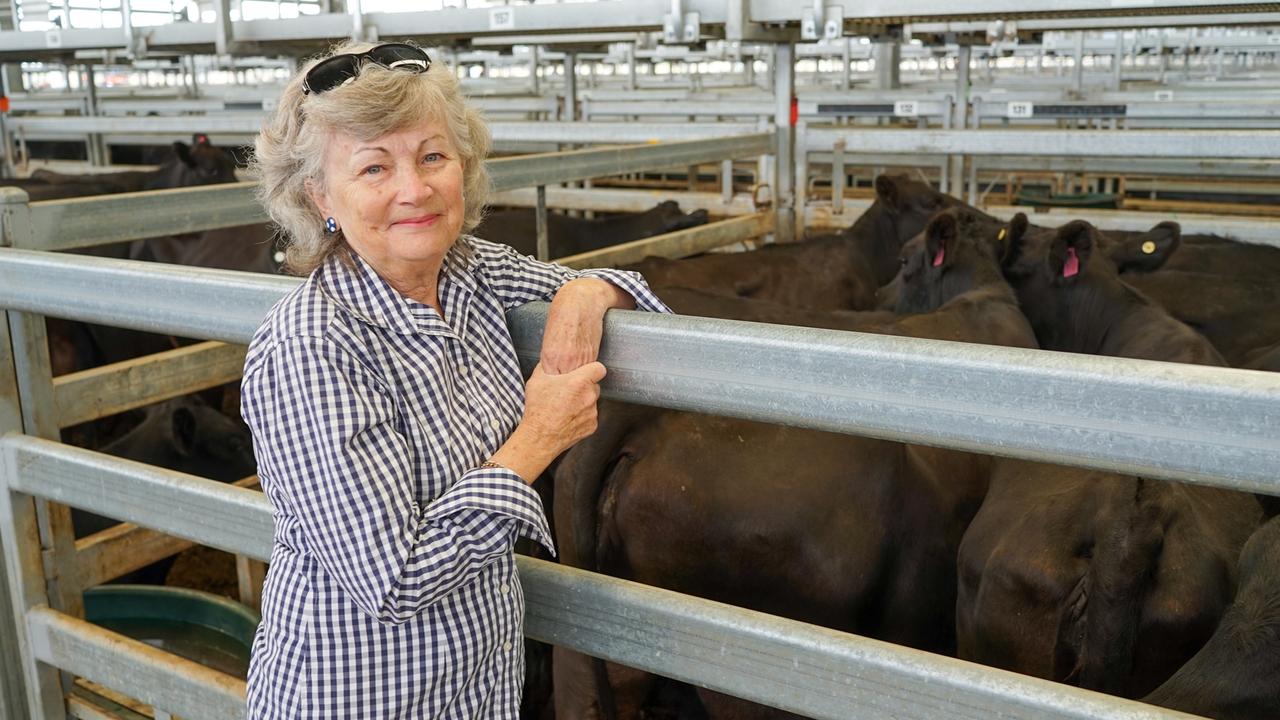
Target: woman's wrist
x,y
523,455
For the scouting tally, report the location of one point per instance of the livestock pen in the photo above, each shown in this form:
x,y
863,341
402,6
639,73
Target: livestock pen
x,y
1194,424
807,86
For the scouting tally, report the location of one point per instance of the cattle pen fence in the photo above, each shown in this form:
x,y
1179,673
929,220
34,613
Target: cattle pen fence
x,y
1186,423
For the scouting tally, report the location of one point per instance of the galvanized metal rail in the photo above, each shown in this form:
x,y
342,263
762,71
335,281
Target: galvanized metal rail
x,y
85,222
1181,422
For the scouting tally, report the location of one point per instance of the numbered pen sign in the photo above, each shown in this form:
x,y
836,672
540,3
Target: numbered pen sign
x,y
502,19
906,108
53,38
1164,95
1018,110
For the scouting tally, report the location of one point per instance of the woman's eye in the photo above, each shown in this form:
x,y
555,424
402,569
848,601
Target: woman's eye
x,y
433,157
372,170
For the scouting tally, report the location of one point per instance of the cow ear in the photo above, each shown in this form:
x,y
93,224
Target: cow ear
x,y
1010,239
1071,249
183,426
1149,251
183,151
939,239
887,191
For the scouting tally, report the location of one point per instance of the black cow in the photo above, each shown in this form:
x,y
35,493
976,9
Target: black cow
x,y
570,236
779,519
1236,675
200,163
250,248
182,434
829,272
1104,580
1229,291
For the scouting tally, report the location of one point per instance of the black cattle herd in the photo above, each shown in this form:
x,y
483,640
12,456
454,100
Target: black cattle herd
x,y
1138,587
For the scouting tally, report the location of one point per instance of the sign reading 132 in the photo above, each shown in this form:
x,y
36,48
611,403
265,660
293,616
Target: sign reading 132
x,y
906,108
1020,110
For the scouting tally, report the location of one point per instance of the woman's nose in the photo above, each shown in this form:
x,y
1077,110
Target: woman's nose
x,y
414,186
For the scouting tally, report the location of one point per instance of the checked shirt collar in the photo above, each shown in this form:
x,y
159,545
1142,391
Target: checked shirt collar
x,y
361,291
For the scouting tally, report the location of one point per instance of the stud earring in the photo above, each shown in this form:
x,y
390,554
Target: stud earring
x,y
330,225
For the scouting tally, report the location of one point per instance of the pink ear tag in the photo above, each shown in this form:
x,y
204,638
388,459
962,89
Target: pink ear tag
x,y
942,255
1072,265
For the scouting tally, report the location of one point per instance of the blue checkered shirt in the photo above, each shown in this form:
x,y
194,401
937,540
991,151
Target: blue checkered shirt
x,y
392,590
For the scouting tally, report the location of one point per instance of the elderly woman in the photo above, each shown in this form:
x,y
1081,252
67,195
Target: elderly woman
x,y
395,436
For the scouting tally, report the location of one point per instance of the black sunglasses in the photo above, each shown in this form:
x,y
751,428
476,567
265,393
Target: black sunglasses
x,y
341,69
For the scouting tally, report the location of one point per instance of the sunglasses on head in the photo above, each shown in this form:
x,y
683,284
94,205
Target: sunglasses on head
x,y
342,69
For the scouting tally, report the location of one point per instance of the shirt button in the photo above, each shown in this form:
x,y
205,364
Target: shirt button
x,y
495,424
462,369
507,646
505,588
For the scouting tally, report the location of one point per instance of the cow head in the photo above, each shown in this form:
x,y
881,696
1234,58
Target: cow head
x,y
902,208
200,163
1145,252
956,253
187,435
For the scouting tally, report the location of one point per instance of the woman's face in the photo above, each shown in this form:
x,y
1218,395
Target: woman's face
x,y
397,198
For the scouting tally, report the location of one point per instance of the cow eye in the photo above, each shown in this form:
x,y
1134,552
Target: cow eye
x,y
902,261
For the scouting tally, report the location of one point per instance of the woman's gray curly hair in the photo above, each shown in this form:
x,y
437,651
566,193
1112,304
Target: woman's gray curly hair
x,y
290,150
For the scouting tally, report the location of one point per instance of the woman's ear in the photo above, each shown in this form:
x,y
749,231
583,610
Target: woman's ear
x,y
318,198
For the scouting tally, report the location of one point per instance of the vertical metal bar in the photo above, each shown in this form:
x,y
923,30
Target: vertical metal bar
x,y
888,57
801,183
1117,61
30,689
540,218
726,181
846,56
944,172
630,50
39,418
570,86
534,80
13,692
96,146
784,98
837,177
961,116
1077,72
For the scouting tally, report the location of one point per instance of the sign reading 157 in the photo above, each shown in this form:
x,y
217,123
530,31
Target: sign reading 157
x,y
502,19
1020,110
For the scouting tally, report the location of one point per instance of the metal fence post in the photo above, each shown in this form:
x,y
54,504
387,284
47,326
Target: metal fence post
x,y
28,689
783,119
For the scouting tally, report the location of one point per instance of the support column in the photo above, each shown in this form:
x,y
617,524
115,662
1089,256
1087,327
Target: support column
x,y
960,119
535,83
570,86
28,689
784,75
1077,72
888,57
1117,61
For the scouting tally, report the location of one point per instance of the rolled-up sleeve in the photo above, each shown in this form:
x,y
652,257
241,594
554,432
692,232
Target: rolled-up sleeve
x,y
517,279
330,454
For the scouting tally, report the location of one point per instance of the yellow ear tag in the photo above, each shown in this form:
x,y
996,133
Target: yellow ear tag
x,y
1001,235
1148,247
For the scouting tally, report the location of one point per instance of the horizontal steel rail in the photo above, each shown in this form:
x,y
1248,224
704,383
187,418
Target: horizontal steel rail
x,y
678,244
801,668
552,168
1243,144
156,677
102,391
609,199
84,222
250,123
1181,422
